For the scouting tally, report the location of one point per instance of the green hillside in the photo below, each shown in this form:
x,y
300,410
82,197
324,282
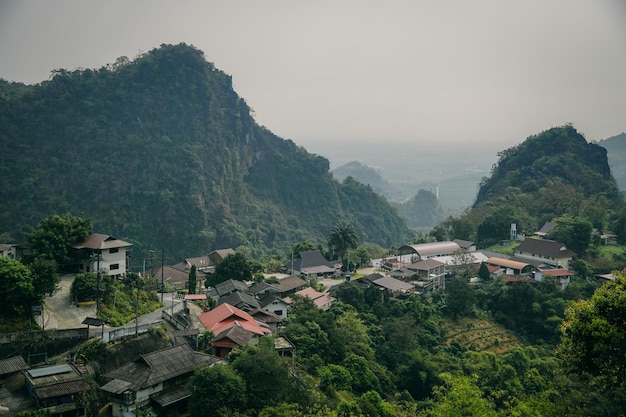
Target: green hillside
x,y
162,152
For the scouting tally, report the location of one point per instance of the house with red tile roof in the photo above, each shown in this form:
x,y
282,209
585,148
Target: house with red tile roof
x,y
232,328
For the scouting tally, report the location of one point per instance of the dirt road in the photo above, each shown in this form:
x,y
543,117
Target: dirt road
x,y
60,312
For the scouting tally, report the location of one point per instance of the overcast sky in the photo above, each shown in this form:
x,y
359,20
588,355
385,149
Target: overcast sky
x,y
355,71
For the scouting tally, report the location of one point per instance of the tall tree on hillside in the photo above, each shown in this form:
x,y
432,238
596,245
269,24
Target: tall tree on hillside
x,y
53,239
16,292
342,238
192,280
234,266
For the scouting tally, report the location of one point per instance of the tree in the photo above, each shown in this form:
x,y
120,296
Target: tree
x,y
234,266
460,297
483,272
342,238
593,336
54,237
16,292
267,377
84,287
45,276
216,391
192,280
574,232
205,338
460,397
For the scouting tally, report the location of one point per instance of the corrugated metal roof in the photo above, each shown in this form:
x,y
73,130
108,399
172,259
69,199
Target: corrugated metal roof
x,y
14,364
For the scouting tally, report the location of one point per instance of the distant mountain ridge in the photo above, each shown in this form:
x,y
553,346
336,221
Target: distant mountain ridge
x,y
616,147
162,152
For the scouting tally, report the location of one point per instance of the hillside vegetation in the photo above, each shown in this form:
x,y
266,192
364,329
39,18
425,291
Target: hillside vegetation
x,y
554,175
160,151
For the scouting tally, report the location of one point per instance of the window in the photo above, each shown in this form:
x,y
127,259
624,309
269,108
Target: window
x,y
278,312
114,267
114,250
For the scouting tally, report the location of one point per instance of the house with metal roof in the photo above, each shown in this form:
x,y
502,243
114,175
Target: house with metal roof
x,y
103,253
509,266
310,263
155,381
549,252
395,287
57,388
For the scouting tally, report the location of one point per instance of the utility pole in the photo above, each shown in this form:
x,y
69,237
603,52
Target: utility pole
x,y
162,283
98,284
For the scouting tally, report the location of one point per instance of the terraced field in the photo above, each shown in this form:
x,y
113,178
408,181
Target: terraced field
x,y
480,335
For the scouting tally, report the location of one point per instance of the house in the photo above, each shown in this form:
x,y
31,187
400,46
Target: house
x,y
275,304
171,277
321,300
393,286
222,319
265,316
155,381
229,286
217,255
290,285
58,388
103,253
261,289
430,270
241,300
310,263
10,250
562,275
546,251
509,266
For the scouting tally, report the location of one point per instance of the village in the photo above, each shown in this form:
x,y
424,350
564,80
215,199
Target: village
x,y
233,313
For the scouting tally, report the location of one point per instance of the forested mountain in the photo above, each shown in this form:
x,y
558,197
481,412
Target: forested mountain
x,y
616,147
162,152
368,176
553,174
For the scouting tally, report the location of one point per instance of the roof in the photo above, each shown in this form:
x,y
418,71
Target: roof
x,y
240,300
401,273
310,262
393,284
237,334
225,316
13,364
432,248
464,244
517,278
61,389
507,263
265,316
310,293
545,229
156,367
170,274
231,285
546,248
291,283
263,287
193,297
268,299
93,321
219,254
426,265
561,272
100,241
55,381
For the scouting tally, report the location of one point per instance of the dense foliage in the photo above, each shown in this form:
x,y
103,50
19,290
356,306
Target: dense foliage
x,y
161,152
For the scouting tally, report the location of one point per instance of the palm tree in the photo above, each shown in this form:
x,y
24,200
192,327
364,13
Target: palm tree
x,y
205,338
342,238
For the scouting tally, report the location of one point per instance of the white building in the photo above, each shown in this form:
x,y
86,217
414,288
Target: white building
x,y
105,254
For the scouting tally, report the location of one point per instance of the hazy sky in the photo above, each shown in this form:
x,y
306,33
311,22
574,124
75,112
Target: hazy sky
x,y
355,71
